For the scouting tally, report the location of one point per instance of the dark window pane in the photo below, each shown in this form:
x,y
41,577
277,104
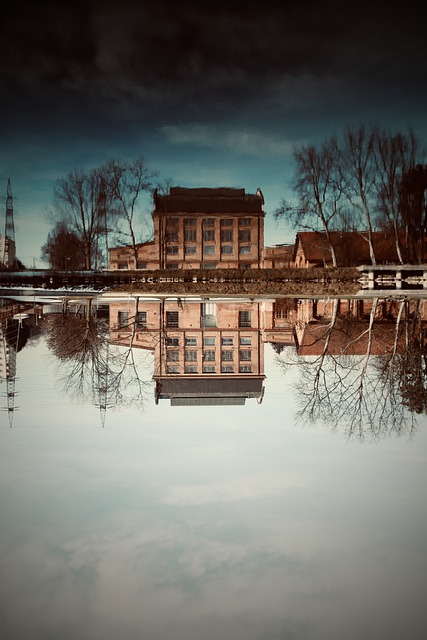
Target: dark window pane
x,y
141,318
172,355
244,319
245,235
190,235
209,235
227,235
172,319
123,319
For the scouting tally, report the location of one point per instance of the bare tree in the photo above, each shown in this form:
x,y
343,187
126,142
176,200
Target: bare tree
x,y
395,158
359,168
127,182
318,186
77,199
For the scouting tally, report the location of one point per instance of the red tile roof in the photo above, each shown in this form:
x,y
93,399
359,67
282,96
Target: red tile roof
x,y
351,247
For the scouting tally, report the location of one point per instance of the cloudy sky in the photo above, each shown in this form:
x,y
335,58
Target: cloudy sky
x,y
210,94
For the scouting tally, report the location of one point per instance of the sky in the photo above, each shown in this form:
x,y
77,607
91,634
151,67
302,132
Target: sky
x,y
211,94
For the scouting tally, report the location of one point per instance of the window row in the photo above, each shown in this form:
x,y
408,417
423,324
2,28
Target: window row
x,y
226,341
172,355
124,320
225,368
172,321
208,250
174,368
210,222
226,235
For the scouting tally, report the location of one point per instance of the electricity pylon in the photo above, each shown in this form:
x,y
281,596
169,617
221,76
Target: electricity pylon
x,y
9,247
8,371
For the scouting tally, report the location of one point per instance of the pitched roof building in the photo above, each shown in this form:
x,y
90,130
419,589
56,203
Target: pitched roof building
x,y
312,248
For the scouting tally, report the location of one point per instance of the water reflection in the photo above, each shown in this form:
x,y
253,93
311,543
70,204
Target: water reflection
x,y
16,328
90,368
205,352
213,521
360,362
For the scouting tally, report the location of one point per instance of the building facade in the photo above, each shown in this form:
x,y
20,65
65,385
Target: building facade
x,y
278,257
200,229
205,352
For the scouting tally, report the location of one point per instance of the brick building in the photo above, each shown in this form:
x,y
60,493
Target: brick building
x,y
208,352
204,352
278,257
312,249
200,229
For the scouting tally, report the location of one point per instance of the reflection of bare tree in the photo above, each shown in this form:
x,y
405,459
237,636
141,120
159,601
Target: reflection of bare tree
x,y
405,373
362,375
91,368
125,384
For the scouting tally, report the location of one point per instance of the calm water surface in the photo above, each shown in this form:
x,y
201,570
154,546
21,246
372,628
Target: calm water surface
x,y
295,513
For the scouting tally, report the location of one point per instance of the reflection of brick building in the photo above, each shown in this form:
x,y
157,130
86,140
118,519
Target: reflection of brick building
x,y
350,336
353,326
212,351
200,228
204,352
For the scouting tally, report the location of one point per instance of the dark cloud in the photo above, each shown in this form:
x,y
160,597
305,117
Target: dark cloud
x,y
212,93
195,55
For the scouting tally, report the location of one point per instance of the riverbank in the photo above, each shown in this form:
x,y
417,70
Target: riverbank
x,y
249,282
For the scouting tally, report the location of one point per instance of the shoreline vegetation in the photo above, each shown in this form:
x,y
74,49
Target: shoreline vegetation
x,y
277,281
250,281
285,281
